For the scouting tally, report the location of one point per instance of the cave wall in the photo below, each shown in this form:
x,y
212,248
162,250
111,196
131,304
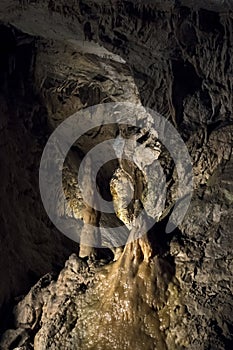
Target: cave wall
x,y
180,53
180,58
30,245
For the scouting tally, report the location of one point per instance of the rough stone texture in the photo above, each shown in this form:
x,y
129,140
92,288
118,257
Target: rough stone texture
x,y
90,307
163,292
30,246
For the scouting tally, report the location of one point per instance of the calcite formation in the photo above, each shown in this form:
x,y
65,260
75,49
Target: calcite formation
x,y
159,291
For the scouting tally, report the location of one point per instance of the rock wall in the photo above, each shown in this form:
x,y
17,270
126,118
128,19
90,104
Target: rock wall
x,y
30,245
163,292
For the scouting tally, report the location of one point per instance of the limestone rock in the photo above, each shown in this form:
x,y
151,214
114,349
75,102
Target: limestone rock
x,y
163,291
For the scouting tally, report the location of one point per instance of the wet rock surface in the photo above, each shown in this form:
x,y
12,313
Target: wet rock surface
x,y
163,291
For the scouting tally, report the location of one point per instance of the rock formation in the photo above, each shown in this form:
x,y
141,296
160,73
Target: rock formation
x,y
161,291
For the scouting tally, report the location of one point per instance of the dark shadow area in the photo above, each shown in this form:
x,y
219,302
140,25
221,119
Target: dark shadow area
x,y
209,22
30,245
185,82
